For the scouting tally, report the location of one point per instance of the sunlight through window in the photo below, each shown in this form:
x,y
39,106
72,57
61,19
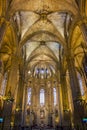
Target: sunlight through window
x,y
42,97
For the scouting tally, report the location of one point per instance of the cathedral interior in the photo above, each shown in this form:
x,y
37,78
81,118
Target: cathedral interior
x,y
43,64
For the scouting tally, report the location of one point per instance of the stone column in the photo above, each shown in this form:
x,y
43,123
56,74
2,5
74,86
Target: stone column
x,y
12,76
49,99
73,78
47,94
71,107
66,112
7,110
64,94
58,112
10,93
76,94
24,106
36,99
60,104
1,75
19,101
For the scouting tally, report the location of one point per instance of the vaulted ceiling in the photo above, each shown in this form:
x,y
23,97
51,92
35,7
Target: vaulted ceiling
x,y
43,29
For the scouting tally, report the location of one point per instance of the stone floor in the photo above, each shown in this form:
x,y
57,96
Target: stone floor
x,y
41,128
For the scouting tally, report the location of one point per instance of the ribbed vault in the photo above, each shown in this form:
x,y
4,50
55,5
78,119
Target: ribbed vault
x,y
56,22
43,47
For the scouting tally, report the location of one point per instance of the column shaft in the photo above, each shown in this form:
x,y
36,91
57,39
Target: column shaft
x,y
12,77
1,76
19,101
66,112
73,79
76,93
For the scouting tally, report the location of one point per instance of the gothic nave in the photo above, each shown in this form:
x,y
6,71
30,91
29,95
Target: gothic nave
x,y
43,64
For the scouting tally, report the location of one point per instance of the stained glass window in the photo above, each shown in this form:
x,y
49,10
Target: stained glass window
x,y
42,97
3,84
54,95
29,96
81,84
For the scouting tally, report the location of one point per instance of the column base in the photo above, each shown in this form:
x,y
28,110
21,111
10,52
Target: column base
x,y
18,120
7,111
